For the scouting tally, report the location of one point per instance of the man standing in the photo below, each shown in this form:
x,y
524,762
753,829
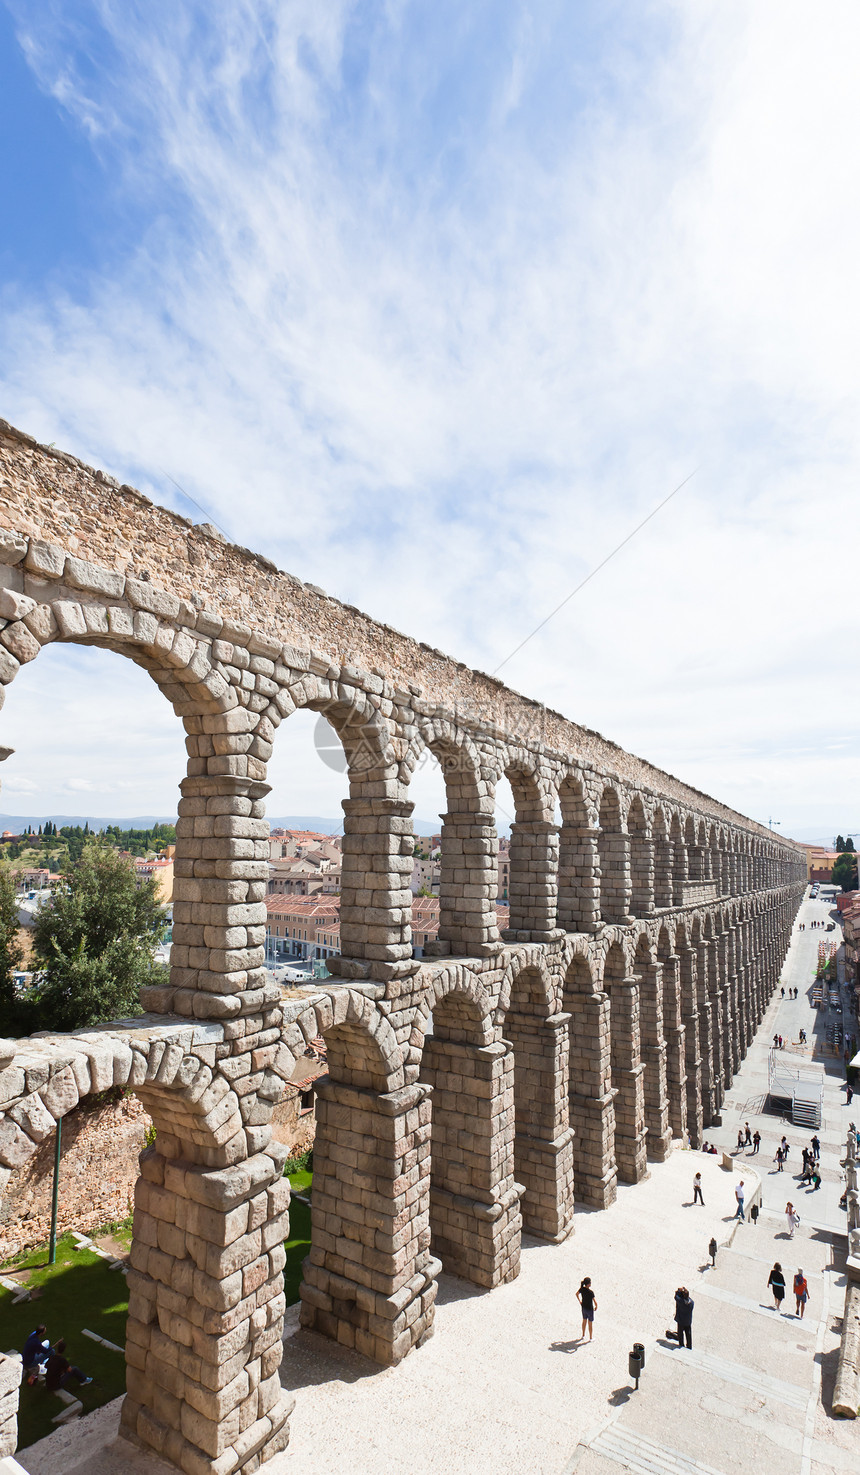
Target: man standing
x,y
756,1141
747,1135
683,1334
739,1195
816,1148
697,1190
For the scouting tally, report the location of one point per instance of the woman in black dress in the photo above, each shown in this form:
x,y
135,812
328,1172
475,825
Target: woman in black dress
x,y
588,1301
776,1281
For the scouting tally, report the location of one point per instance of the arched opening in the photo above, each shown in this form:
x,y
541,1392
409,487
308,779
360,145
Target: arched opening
x,y
653,1050
592,1103
662,862
474,1215
679,861
694,852
626,1066
533,859
641,861
690,1020
469,851
543,1141
614,861
578,861
673,1032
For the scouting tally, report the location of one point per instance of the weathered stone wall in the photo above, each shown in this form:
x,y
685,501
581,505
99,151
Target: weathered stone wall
x,y
101,1144
646,937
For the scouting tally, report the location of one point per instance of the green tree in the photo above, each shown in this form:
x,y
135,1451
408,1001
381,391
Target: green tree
x,y
11,953
849,844
95,941
845,871
839,843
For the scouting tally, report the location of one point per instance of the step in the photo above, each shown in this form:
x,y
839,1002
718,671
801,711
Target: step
x,y
645,1456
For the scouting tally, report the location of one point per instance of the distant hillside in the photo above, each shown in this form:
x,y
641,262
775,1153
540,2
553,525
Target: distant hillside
x,y
18,822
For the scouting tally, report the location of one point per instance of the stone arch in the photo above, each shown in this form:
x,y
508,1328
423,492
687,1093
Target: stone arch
x,y
578,863
625,1064
673,1032
663,859
543,1141
679,859
533,886
614,859
641,860
474,1213
470,847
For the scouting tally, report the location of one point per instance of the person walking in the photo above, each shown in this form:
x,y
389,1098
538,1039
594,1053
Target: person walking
x,y
588,1301
784,1145
747,1135
740,1146
792,1218
816,1180
779,1159
697,1190
739,1195
756,1141
816,1148
683,1333
776,1281
801,1293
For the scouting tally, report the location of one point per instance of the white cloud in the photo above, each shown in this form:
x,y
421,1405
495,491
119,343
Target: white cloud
x,y
438,347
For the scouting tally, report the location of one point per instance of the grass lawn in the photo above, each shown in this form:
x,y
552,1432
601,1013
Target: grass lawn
x,y
299,1242
78,1291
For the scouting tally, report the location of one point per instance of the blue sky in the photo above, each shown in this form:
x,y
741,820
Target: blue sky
x,y
434,304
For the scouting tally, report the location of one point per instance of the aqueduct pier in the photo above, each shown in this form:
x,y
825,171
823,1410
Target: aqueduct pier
x,y
648,924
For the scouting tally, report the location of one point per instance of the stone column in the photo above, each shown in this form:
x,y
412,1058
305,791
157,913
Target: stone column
x,y
533,889
664,861
673,1030
715,993
543,1143
627,1079
578,879
653,1046
592,1099
369,1280
614,849
376,898
641,874
221,873
679,875
467,892
206,1307
474,1201
10,1384
690,1009
706,1044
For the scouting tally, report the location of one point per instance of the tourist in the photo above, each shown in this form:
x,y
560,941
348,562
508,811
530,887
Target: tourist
x,y
849,1094
776,1281
792,1218
779,1159
697,1190
747,1135
776,1042
756,1141
740,1140
816,1181
588,1301
37,1350
784,1145
816,1148
683,1333
801,1293
782,993
59,1372
739,1195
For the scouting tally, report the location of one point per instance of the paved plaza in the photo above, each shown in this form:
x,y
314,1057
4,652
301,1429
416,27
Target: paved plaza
x,y
505,1385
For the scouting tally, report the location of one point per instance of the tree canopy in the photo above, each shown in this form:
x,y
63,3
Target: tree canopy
x,y
95,942
11,953
845,871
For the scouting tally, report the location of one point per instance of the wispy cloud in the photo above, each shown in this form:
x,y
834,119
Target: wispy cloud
x,y
435,304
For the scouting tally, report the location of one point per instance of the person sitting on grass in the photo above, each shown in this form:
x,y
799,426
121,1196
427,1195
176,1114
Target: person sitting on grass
x,y
59,1372
37,1350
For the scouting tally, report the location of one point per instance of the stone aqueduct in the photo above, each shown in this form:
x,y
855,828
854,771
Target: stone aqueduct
x,y
647,930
